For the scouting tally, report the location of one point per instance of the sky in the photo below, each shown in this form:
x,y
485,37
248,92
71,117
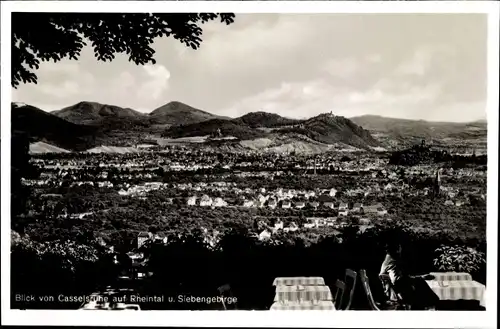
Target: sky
x,y
413,66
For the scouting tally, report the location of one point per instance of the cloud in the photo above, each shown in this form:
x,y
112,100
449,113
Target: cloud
x,y
64,81
156,83
296,65
342,68
303,99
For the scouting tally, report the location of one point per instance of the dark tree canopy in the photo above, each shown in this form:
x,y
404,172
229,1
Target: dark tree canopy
x,y
54,36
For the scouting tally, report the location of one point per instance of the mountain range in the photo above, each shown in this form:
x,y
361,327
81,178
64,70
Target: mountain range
x,y
90,124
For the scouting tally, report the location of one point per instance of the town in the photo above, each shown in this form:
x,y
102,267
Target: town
x,y
131,201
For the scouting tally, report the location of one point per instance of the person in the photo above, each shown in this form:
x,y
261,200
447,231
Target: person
x,y
413,290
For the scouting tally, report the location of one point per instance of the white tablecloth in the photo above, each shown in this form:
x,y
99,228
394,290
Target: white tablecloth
x,y
451,276
456,290
299,280
302,293
303,306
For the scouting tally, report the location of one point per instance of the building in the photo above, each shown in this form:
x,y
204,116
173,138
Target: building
x,y
381,211
437,184
206,201
300,204
264,235
142,237
329,204
191,201
357,207
343,206
248,203
286,204
272,203
291,228
448,203
219,202
373,209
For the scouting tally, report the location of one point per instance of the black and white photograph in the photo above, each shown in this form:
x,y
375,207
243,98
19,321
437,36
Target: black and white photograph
x,y
248,161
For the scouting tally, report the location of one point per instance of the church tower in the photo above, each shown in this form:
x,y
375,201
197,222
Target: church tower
x,y
437,184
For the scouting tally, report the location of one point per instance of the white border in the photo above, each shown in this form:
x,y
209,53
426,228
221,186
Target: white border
x,y
486,319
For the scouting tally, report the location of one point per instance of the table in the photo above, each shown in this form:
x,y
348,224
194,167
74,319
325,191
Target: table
x,y
458,289
302,293
323,305
299,280
451,276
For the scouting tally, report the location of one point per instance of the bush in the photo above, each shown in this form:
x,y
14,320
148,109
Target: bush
x,y
459,259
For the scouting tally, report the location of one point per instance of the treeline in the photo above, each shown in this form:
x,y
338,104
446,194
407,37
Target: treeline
x,y
423,155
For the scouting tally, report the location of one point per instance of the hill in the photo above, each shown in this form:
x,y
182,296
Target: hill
x,y
211,128
92,113
264,120
43,126
330,129
325,128
177,113
412,131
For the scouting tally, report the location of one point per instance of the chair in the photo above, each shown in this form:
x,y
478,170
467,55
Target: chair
x,y
339,295
366,287
350,280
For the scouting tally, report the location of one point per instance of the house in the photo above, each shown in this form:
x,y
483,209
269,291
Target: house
x,y
206,201
314,204
344,212
248,203
272,203
192,201
388,187
372,209
310,194
381,211
333,192
142,237
262,199
459,203
310,224
300,204
330,221
160,237
135,257
286,204
343,206
448,203
357,207
278,225
329,204
364,221
219,202
264,235
291,228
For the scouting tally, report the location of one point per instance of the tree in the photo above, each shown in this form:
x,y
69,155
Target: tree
x,y
63,35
